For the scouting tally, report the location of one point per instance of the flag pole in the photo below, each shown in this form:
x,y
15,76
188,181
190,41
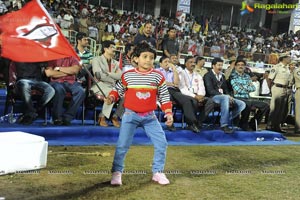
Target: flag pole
x,y
93,79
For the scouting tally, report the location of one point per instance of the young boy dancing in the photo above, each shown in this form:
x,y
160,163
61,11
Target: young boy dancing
x,y
141,87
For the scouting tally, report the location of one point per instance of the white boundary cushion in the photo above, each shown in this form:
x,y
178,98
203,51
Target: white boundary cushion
x,y
20,151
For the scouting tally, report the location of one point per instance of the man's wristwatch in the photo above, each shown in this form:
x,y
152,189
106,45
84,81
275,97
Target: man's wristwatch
x,y
57,69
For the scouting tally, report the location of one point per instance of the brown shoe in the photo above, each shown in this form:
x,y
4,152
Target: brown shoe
x,y
115,122
102,122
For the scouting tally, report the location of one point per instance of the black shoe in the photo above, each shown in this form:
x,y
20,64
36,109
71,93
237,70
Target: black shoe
x,y
20,119
253,126
58,122
27,120
244,127
171,128
200,125
280,131
66,122
193,127
227,130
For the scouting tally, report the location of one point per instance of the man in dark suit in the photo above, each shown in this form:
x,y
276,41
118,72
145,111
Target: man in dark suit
x,y
216,87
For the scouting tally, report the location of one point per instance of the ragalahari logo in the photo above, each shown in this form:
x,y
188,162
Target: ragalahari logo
x,y
246,8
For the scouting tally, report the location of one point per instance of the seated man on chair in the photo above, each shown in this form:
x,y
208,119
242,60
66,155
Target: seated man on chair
x,y
81,48
29,75
191,84
62,73
216,87
242,85
172,81
107,71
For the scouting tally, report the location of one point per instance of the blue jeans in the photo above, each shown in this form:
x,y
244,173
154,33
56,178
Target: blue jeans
x,y
153,129
24,87
61,89
224,101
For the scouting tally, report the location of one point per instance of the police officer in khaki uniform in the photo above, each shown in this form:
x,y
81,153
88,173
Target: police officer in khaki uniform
x,y
296,81
278,81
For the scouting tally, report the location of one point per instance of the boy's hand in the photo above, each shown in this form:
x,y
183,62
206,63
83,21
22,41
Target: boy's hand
x,y
169,121
108,100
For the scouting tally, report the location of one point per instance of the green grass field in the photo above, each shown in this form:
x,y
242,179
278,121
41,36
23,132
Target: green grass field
x,y
195,172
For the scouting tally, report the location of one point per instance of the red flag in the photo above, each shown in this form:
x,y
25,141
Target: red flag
x,y
30,35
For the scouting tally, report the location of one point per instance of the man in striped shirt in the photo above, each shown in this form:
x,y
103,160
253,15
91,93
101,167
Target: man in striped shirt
x,y
84,54
141,87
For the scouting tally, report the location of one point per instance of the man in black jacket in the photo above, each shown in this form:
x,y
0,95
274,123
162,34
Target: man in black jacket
x,y
30,75
216,87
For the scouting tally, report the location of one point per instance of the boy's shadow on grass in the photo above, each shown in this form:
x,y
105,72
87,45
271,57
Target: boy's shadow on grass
x,y
80,192
96,187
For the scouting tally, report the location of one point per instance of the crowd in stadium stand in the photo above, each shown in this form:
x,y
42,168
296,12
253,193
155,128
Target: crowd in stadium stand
x,y
100,23
194,37
203,38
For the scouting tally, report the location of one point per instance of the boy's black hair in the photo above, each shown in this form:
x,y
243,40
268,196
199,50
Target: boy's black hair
x,y
144,47
106,44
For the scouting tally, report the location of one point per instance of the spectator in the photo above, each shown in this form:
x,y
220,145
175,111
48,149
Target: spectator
x,y
215,50
127,62
84,54
107,72
265,90
101,29
3,8
192,85
62,73
109,27
68,20
146,35
295,53
199,68
259,64
172,81
216,87
256,83
170,44
84,23
242,85
30,75
108,36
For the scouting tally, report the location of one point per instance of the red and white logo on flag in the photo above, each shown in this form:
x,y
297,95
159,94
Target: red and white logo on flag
x,y
30,35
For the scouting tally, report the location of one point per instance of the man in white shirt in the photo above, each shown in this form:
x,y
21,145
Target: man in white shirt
x,y
68,20
191,84
265,90
256,83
